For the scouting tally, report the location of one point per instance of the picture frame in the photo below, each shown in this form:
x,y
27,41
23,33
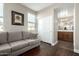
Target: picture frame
x,y
17,18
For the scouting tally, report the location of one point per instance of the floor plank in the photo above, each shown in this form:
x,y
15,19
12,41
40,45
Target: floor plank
x,y
62,48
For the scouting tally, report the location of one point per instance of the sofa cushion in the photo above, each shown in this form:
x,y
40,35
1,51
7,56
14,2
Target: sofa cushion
x,y
14,36
3,37
33,35
18,45
26,35
5,49
32,42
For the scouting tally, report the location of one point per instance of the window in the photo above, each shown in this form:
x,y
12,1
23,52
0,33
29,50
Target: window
x,y
1,17
31,22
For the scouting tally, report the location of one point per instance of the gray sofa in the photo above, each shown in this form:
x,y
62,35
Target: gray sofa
x,y
15,43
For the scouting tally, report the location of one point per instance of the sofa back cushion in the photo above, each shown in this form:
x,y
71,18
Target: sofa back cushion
x,y
26,35
14,36
3,37
33,35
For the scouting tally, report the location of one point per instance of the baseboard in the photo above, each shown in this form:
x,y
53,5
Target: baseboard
x,y
46,42
53,44
76,50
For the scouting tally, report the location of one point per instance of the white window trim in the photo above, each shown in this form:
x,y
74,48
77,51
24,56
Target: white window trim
x,y
3,22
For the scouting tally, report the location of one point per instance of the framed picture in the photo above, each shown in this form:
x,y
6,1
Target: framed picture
x,y
17,18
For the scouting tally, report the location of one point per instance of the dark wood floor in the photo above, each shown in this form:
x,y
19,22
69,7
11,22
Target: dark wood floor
x,y
60,49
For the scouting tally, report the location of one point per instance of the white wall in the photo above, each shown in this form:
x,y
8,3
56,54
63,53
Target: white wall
x,y
46,26
76,38
8,7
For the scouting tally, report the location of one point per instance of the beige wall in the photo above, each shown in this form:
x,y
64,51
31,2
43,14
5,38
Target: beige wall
x,y
8,7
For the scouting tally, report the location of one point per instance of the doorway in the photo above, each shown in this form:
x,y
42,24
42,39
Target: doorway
x,y
64,21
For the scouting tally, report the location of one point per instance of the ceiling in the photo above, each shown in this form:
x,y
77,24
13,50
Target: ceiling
x,y
36,6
